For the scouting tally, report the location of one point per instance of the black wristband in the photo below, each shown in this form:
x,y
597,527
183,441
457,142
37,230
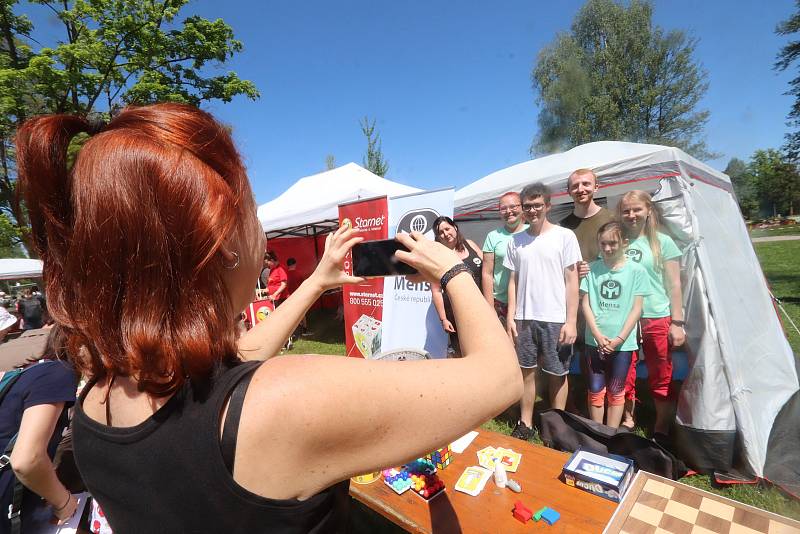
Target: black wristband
x,y
678,323
451,273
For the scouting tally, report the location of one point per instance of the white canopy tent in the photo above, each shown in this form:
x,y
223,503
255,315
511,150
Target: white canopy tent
x,y
741,392
312,202
11,268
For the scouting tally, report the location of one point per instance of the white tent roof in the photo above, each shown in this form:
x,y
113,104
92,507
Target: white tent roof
x,y
11,268
316,198
605,158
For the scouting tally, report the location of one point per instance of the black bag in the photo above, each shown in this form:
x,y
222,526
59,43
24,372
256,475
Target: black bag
x,y
566,432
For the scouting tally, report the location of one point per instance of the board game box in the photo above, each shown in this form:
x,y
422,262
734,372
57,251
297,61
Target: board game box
x,y
606,476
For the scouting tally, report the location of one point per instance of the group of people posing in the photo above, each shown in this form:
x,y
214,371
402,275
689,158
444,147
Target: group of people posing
x,y
601,285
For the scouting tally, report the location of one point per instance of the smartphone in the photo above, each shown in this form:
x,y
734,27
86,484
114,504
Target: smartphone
x,y
376,258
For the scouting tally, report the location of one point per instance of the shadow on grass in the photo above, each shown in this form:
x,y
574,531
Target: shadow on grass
x,y
324,327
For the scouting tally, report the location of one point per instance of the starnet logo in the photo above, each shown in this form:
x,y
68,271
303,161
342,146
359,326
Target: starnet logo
x,y
370,223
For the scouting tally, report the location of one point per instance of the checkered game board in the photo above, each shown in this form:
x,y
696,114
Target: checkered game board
x,y
654,504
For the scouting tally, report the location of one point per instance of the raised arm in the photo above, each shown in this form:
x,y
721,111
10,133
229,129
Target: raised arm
x,y
487,277
309,421
672,282
265,339
32,465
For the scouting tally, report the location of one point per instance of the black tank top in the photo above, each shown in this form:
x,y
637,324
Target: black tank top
x,y
474,264
167,474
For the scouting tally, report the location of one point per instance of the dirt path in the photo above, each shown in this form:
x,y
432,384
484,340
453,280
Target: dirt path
x,y
776,238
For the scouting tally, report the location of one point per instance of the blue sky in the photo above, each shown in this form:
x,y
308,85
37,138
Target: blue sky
x,y
449,82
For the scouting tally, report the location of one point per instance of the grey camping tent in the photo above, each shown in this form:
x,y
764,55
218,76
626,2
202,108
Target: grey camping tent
x,y
738,409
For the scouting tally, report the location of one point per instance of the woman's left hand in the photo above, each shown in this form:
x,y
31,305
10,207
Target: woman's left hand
x,y
677,335
330,272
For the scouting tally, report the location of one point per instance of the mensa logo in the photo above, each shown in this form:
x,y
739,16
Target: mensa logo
x,y
420,220
610,289
634,254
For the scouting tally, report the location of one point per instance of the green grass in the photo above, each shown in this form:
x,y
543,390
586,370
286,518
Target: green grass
x,y
325,335
793,229
779,260
780,265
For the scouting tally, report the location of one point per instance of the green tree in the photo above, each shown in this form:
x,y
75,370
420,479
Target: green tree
x,y
744,184
373,159
617,76
786,57
330,162
9,239
777,181
105,54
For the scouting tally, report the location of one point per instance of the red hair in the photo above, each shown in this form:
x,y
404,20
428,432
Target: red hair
x,y
129,238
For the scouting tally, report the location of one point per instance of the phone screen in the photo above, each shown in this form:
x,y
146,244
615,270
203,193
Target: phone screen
x,y
376,258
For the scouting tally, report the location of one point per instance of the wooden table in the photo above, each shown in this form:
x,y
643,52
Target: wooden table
x,y
490,512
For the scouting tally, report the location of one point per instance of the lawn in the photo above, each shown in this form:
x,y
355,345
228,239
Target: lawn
x,y
778,230
779,261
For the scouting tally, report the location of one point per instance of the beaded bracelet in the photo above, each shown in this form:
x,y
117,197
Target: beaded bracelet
x,y
451,273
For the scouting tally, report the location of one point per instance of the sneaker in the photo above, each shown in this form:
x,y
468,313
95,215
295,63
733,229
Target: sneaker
x,y
289,344
522,431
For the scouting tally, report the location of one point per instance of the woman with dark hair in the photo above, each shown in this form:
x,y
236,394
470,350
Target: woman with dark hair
x,y
448,234
151,248
34,410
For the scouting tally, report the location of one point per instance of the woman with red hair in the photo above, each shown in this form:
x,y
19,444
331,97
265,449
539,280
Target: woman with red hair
x,y
151,249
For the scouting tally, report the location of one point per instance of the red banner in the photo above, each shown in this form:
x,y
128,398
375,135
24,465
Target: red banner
x,y
363,303
257,311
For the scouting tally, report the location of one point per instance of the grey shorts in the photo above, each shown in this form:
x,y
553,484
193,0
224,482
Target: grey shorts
x,y
537,345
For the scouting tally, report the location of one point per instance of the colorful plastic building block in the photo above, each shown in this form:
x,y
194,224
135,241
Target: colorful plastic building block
x,y
550,516
441,458
397,479
538,515
521,512
427,486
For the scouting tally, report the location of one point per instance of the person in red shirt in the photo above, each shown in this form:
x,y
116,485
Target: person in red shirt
x,y
278,280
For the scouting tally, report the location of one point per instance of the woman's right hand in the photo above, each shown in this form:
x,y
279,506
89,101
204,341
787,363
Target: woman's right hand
x,y
430,258
448,326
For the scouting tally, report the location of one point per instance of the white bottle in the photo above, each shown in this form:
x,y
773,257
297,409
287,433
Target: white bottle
x,y
500,477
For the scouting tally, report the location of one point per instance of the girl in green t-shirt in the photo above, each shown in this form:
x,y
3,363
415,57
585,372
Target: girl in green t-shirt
x,y
611,300
662,315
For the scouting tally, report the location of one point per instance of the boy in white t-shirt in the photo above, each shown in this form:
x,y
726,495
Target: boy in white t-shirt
x,y
542,302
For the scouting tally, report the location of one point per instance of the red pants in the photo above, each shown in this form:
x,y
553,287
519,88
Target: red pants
x,y
657,355
630,381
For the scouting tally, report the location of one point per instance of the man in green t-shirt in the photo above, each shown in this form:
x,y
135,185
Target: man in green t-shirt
x,y
495,276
